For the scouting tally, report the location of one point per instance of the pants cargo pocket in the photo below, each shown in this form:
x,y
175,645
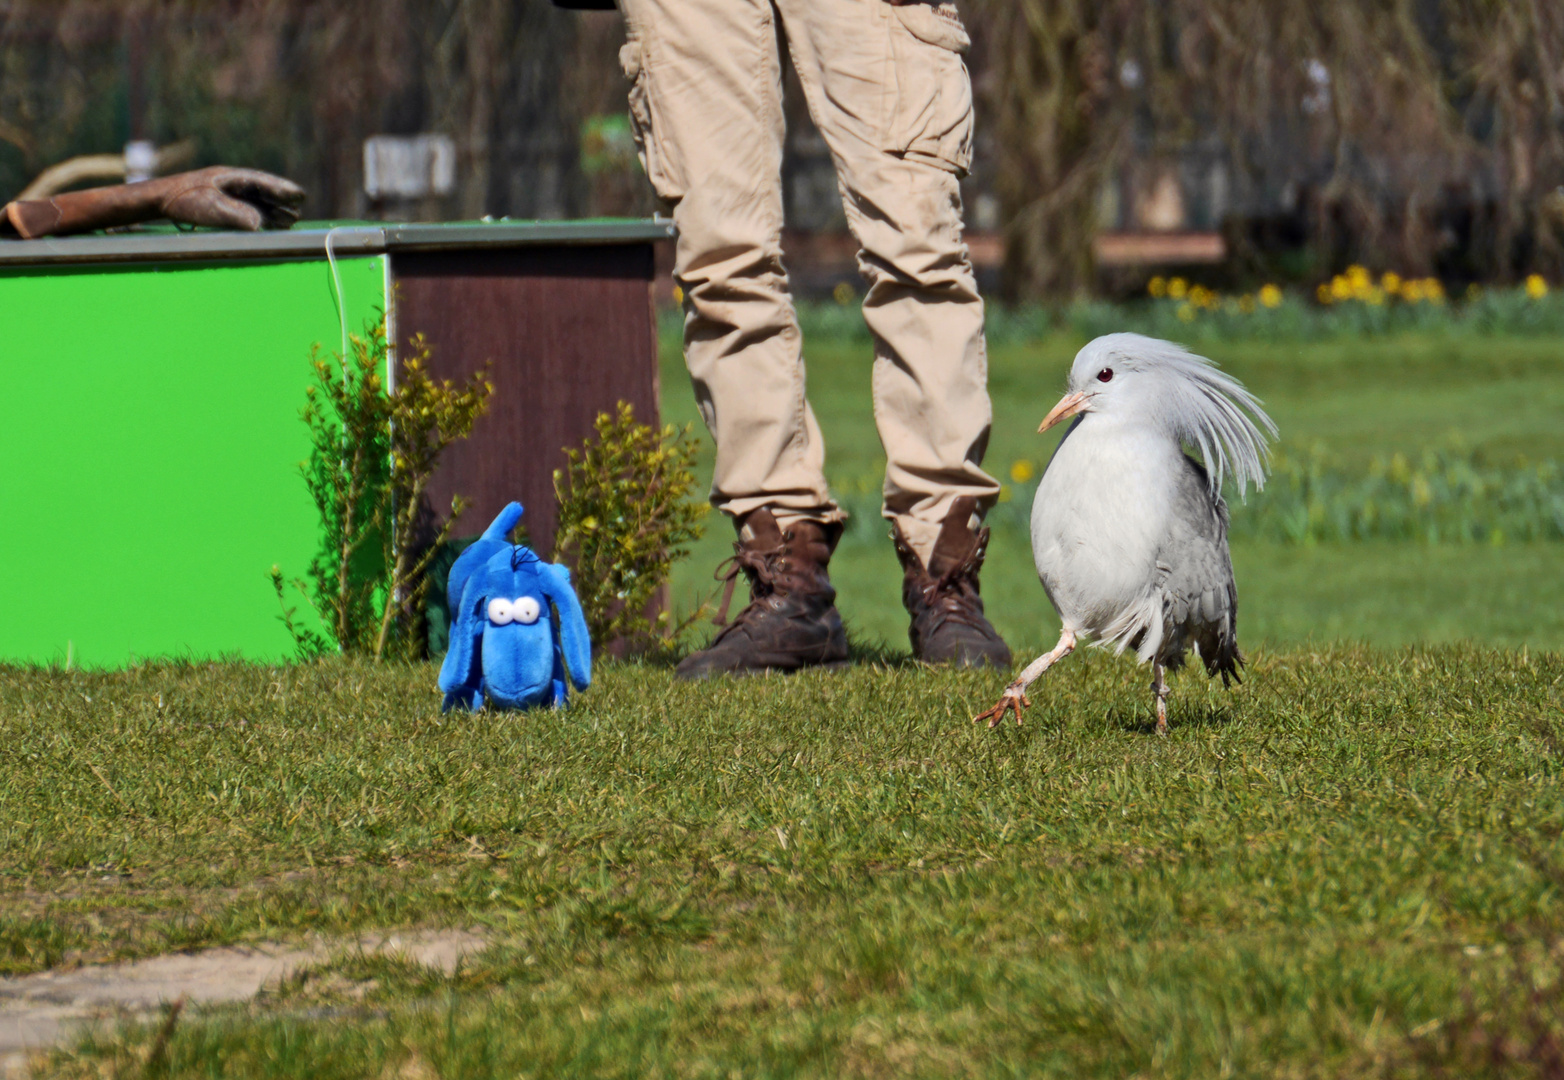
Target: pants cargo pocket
x,y
928,111
655,159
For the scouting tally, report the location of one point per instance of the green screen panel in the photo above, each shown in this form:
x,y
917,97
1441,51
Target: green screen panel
x,y
150,444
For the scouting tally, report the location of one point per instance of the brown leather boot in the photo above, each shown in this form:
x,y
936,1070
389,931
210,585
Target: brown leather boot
x,y
791,621
948,624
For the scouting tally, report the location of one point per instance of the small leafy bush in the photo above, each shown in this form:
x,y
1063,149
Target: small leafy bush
x,y
625,516
373,452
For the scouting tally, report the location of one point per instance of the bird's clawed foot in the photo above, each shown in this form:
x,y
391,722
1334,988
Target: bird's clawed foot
x,y
1010,699
1014,697
1159,688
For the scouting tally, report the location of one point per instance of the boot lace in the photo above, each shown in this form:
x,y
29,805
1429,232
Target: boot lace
x,y
759,567
950,597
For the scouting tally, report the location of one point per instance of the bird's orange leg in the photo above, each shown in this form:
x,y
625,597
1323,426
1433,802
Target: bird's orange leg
x,y
1014,698
1159,687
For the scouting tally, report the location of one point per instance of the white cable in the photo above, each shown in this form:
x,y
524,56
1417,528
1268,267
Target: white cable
x,y
342,315
336,277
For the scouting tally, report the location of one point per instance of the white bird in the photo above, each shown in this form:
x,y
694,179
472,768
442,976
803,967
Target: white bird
x,y
1130,532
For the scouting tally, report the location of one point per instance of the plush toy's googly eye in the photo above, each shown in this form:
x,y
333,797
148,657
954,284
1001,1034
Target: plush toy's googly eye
x,y
526,610
500,611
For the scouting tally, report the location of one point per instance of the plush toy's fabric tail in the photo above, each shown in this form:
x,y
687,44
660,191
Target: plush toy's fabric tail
x,y
494,540
500,528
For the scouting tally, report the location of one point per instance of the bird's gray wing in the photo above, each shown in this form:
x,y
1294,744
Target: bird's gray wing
x,y
1200,599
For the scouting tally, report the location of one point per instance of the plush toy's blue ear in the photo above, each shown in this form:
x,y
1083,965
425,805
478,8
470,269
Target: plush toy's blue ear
x,y
575,639
461,675
560,691
480,551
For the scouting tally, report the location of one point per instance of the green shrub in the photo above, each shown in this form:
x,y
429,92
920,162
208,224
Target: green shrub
x,y
372,455
625,517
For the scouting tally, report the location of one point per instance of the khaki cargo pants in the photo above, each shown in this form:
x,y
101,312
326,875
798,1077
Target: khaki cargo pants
x,y
888,90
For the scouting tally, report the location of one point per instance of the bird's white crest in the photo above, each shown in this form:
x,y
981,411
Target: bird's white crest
x,y
1184,394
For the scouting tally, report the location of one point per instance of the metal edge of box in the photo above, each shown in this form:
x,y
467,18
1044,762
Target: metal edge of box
x,y
348,240
524,234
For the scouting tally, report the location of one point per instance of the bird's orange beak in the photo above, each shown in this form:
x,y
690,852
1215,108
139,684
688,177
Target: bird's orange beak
x,y
1068,406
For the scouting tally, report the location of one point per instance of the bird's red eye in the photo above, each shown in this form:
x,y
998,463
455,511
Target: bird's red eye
x,y
1105,375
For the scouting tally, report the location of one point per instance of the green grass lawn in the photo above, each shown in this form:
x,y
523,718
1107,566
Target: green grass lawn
x,y
1351,865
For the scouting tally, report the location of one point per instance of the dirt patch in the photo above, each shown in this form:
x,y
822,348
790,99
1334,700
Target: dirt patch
x,y
38,1011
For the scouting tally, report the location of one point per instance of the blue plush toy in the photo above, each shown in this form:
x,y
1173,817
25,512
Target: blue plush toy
x,y
505,649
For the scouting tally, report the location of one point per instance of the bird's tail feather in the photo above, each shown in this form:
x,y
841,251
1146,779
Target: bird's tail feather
x,y
1139,626
1220,654
1145,627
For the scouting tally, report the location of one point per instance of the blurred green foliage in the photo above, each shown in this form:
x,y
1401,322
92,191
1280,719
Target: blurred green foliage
x,y
1517,311
1448,494
607,144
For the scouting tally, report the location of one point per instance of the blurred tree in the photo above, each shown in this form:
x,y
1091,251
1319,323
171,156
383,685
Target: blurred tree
x,y
1056,136
1425,136
296,86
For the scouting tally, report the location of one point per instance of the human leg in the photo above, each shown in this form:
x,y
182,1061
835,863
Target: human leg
x,y
888,89
706,106
707,111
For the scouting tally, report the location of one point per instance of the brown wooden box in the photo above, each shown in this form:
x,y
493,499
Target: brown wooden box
x,y
155,378
567,332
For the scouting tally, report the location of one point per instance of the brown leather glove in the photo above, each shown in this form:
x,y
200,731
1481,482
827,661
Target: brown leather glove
x,y
219,197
